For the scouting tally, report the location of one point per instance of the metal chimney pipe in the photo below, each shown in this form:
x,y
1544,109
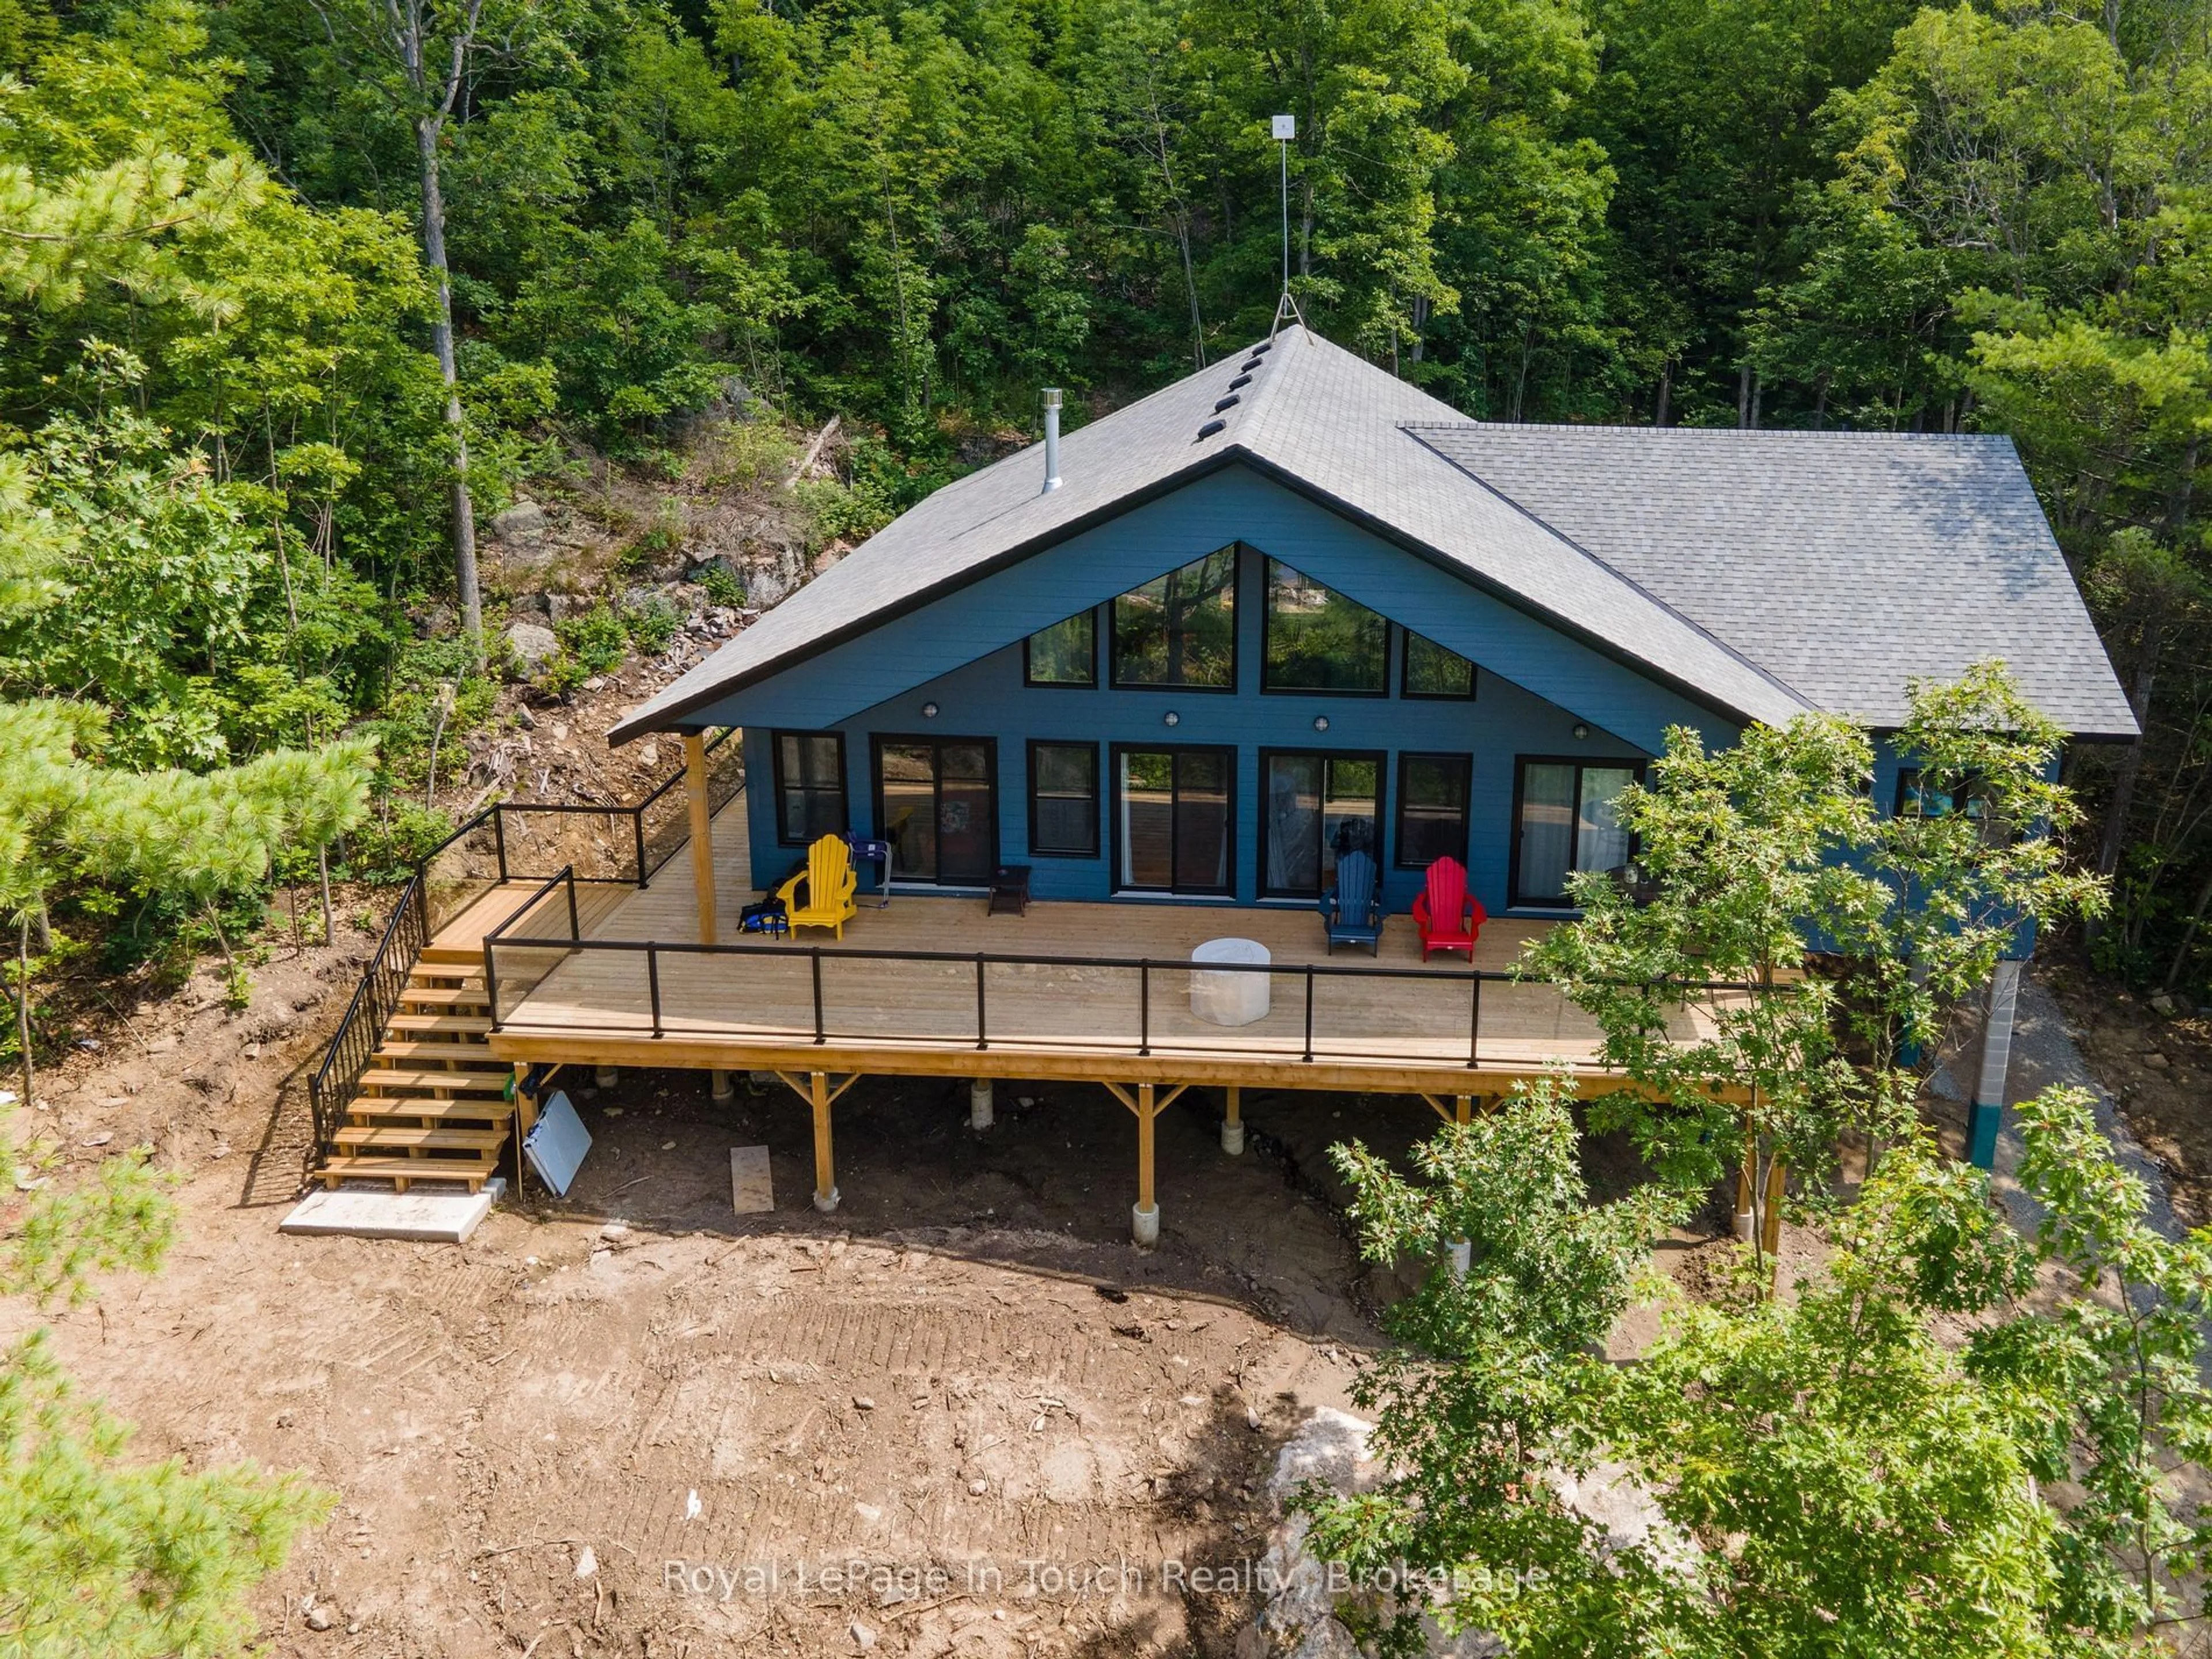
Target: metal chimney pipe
x,y
1051,438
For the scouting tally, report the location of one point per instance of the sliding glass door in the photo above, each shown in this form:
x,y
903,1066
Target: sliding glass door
x,y
936,801
1568,822
1172,826
1314,809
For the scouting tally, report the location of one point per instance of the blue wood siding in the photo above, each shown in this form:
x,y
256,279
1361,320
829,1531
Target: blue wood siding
x,y
1233,505
983,696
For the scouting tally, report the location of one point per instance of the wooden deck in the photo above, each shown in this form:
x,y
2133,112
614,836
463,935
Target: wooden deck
x,y
1039,1019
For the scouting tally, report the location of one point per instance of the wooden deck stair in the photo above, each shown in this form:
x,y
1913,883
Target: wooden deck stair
x,y
433,1104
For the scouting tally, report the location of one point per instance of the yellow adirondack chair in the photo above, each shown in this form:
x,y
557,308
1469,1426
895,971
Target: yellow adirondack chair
x,y
829,880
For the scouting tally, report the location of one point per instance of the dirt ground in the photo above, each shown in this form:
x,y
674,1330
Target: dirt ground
x,y
965,1371
966,1368
2158,1067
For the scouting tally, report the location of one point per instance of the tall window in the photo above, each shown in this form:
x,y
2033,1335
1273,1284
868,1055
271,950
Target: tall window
x,y
1181,629
1064,799
1569,821
1314,809
1432,672
810,786
1433,792
1174,825
1316,639
1065,654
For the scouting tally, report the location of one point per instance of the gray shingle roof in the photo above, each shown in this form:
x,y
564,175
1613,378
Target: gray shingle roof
x,y
1845,563
1330,423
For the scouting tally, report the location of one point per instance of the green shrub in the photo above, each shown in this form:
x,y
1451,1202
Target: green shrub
x,y
398,836
651,624
722,589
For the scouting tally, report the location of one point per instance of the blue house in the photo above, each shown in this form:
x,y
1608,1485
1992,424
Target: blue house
x,y
1151,686
1289,606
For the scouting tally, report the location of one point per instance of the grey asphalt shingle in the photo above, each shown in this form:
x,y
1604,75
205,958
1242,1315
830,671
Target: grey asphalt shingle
x,y
1767,577
1845,563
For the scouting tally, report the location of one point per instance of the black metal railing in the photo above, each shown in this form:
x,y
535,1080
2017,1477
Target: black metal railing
x,y
374,1001
810,993
530,840
493,846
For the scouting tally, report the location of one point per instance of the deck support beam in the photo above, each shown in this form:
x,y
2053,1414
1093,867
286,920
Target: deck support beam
x,y
1462,1107
1145,1219
1148,1102
821,1094
1233,1125
702,830
825,1157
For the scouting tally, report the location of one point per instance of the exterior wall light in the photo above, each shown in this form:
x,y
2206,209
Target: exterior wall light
x,y
1581,731
929,711
1171,718
1320,722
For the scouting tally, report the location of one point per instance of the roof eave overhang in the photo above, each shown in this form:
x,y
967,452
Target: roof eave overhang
x,y
675,718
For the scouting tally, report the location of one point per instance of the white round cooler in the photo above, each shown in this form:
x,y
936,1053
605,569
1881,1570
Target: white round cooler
x,y
1231,999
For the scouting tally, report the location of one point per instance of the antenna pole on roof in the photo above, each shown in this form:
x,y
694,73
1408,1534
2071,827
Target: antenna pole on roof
x,y
1286,128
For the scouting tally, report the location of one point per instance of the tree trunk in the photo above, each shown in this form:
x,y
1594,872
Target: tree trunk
x,y
442,337
1743,395
23,999
323,872
1666,391
2124,781
2189,933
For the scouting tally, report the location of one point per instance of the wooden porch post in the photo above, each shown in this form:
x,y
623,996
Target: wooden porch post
x,y
1743,1176
1232,1126
1144,1219
702,830
1463,1108
825,1163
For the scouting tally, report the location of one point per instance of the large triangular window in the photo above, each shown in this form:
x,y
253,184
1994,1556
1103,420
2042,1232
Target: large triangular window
x,y
1180,629
1316,639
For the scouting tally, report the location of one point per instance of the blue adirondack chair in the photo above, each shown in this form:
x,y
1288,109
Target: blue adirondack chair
x,y
1352,909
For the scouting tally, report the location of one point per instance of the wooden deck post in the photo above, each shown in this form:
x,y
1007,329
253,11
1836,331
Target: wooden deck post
x,y
1463,1108
825,1163
702,830
1771,1223
1145,1219
1232,1126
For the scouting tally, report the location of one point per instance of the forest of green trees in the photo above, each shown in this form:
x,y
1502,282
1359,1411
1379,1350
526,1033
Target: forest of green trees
x,y
298,291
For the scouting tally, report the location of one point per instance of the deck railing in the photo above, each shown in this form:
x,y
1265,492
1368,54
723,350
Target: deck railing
x,y
528,840
819,995
500,844
374,1001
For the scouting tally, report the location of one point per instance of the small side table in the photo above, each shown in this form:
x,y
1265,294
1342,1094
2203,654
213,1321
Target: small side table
x,y
878,852
1010,889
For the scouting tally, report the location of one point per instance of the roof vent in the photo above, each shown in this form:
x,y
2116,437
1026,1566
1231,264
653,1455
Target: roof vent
x,y
1264,345
1242,379
1051,438
1230,402
1250,365
1212,427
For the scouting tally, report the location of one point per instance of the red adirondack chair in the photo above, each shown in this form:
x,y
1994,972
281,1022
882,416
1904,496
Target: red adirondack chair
x,y
1449,917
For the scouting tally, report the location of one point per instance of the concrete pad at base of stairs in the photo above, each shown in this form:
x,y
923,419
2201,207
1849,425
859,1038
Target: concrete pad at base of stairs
x,y
751,1193
438,1218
